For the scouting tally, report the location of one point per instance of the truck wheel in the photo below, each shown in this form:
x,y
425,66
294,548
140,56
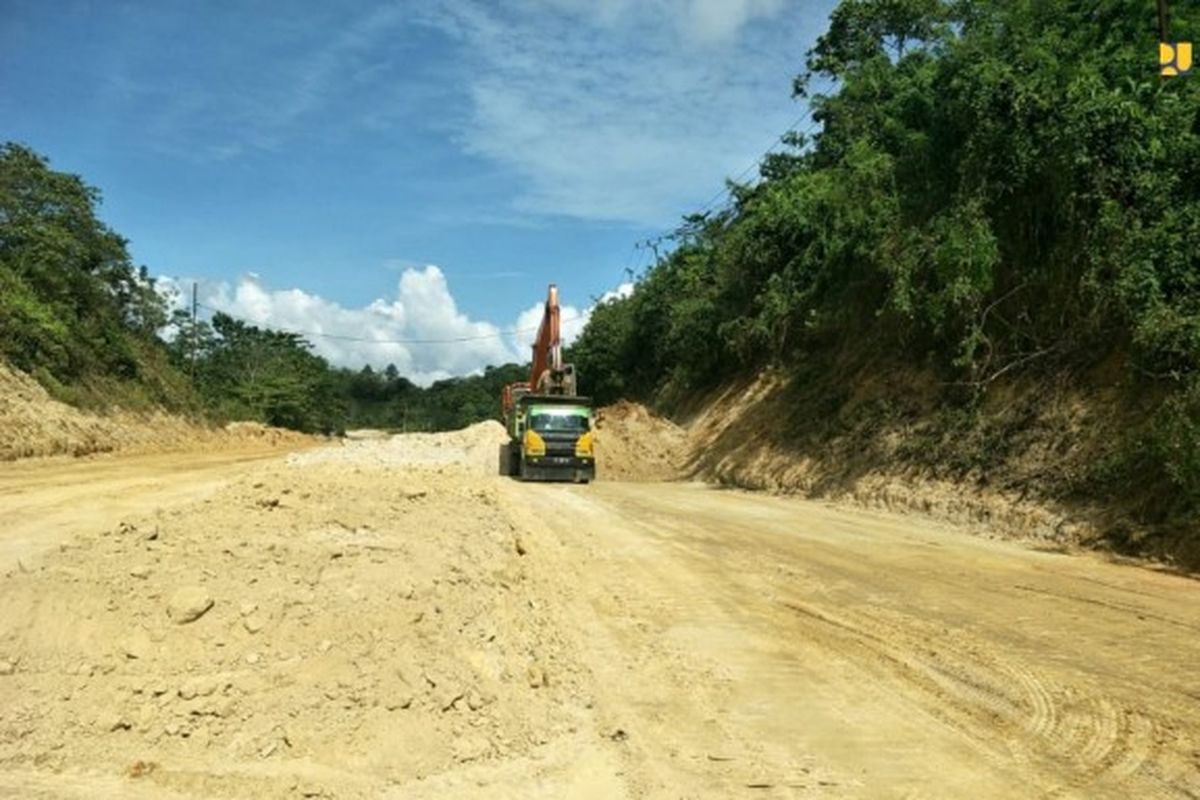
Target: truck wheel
x,y
505,459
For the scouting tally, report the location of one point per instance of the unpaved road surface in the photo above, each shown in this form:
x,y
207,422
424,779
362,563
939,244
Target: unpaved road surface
x,y
386,618
46,501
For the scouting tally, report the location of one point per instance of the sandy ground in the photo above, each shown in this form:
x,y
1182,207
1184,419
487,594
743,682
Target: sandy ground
x,y
387,618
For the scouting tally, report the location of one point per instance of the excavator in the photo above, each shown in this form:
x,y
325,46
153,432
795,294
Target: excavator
x,y
549,425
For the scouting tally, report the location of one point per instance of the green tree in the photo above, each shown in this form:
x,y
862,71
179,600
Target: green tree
x,y
73,309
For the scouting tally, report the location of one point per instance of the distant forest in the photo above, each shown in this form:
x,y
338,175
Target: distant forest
x,y
77,315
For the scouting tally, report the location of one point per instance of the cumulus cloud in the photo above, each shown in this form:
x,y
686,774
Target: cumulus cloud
x,y
421,330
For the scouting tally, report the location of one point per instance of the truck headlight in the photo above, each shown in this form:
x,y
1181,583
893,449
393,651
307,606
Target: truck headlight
x,y
583,446
534,444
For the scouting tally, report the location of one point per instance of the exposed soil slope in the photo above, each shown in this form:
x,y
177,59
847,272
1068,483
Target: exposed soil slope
x,y
635,444
1026,462
34,424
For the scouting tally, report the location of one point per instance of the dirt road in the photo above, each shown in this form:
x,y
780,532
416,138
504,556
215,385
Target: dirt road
x,y
45,501
388,619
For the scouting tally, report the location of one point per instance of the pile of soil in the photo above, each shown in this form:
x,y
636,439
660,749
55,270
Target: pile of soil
x,y
474,448
339,625
634,444
32,423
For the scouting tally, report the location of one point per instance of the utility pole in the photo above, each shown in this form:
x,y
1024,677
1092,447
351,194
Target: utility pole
x,y
194,307
1162,21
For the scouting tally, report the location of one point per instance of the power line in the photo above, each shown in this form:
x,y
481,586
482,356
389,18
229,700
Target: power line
x,y
339,337
704,210
709,206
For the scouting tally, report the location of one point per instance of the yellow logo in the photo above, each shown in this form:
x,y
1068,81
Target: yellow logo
x,y
1174,58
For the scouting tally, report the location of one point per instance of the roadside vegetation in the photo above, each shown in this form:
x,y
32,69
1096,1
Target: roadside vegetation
x,y
1003,201
74,310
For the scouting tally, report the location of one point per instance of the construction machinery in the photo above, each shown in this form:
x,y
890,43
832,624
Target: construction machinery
x,y
549,425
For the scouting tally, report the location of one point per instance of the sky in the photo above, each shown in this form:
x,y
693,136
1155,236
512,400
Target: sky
x,y
408,170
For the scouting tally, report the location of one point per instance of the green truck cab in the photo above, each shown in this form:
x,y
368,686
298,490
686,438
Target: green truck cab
x,y
550,439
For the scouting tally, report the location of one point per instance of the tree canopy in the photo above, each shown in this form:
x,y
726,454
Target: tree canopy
x,y
73,308
996,187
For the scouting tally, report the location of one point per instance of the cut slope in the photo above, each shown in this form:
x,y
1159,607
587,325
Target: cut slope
x,y
32,423
1026,461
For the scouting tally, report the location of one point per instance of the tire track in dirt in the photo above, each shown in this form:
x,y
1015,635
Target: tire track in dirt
x,y
1039,682
1011,709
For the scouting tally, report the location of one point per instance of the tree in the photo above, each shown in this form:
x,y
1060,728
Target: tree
x,y
73,308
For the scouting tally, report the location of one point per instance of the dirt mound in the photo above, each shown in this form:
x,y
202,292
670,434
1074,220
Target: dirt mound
x,y
338,625
634,444
246,432
32,423
473,449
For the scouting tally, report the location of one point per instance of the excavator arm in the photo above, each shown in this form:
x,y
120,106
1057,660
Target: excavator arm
x,y
548,375
547,348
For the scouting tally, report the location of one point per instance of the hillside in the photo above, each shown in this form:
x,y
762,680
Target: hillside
x,y
75,312
981,273
32,424
1033,462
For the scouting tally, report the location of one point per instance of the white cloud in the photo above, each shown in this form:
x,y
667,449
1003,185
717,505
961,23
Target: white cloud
x,y
624,111
396,331
716,20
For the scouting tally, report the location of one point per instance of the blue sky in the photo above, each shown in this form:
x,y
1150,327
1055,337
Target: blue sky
x,y
413,169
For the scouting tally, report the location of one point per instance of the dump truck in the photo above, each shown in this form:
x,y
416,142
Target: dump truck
x,y
549,425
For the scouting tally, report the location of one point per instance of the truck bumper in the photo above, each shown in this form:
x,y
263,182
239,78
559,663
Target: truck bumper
x,y
558,468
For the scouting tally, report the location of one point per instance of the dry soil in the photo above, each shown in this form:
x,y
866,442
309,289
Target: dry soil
x,y
388,618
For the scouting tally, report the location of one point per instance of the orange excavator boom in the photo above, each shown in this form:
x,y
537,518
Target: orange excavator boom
x,y
547,347
548,375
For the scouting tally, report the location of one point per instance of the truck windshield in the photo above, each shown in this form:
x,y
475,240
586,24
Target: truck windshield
x,y
558,422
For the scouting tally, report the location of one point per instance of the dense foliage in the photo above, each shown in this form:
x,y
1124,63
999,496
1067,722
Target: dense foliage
x,y
244,372
997,187
384,399
74,311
